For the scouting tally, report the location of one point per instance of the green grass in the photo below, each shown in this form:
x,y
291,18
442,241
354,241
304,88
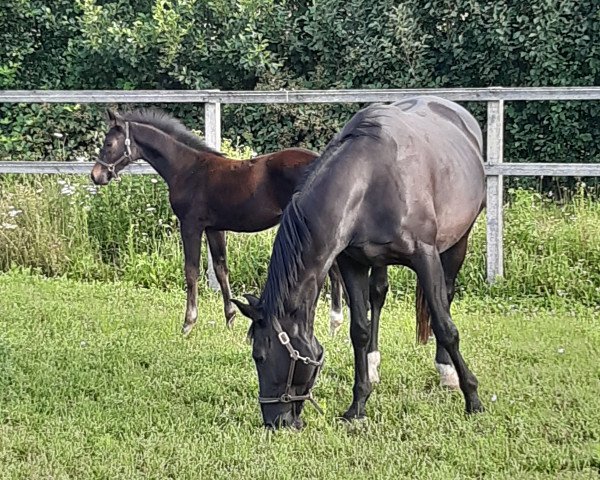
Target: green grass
x,y
96,382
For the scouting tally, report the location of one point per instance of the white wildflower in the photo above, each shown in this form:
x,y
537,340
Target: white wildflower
x,y
154,180
151,209
8,226
61,182
561,350
58,135
68,190
14,212
494,397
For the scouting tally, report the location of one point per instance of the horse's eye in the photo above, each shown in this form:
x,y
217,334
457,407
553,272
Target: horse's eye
x,y
259,357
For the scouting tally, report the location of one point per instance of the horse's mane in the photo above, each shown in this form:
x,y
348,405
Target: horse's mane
x,y
171,126
293,237
361,125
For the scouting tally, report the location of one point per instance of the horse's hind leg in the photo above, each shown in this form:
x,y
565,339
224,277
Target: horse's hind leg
x,y
218,252
356,280
336,317
431,276
452,260
378,288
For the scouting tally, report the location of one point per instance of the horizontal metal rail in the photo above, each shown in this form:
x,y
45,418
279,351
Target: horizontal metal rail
x,y
142,168
296,96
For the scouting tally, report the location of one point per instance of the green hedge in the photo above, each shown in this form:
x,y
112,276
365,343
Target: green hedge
x,y
268,44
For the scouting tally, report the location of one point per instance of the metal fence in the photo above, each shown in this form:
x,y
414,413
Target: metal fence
x,y
495,97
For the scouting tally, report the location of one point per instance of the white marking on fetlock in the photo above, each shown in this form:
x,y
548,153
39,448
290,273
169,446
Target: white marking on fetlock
x,y
335,321
448,376
373,361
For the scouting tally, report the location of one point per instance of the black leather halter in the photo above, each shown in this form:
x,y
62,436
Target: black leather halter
x,y
295,357
126,155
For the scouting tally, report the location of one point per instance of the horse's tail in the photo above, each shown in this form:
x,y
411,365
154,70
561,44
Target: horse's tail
x,y
423,325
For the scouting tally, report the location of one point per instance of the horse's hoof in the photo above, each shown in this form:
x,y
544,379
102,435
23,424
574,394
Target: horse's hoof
x,y
352,416
475,407
187,328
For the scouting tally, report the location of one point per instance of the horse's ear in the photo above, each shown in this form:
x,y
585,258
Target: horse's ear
x,y
113,117
252,300
253,312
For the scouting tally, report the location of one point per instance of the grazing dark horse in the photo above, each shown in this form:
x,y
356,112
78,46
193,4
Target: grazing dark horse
x,y
208,192
400,184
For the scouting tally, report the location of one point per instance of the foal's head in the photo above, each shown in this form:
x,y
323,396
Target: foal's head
x,y
284,383
118,150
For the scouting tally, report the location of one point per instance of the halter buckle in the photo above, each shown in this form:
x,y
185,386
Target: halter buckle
x,y
283,338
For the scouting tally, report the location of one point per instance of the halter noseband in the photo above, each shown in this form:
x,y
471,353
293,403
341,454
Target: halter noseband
x,y
295,357
126,155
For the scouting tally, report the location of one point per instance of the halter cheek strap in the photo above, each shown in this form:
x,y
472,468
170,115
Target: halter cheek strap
x,y
126,155
295,357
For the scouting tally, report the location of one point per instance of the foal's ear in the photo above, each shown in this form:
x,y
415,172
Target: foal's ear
x,y
251,310
113,117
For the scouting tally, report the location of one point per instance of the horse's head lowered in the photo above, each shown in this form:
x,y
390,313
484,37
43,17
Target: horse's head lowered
x,y
118,150
287,363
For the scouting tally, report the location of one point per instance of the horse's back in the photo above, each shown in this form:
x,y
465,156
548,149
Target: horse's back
x,y
447,111
424,163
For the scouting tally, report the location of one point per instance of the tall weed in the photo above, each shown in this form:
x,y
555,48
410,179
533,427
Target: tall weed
x,y
64,226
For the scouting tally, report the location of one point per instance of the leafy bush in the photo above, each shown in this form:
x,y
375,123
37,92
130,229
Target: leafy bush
x,y
262,44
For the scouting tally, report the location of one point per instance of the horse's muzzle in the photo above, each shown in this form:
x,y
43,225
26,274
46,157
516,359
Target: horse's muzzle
x,y
100,175
287,420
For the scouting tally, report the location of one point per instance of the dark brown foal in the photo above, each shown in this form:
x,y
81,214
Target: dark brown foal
x,y
209,193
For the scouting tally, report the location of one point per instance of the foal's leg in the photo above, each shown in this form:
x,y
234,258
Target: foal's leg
x,y
336,317
356,279
218,252
431,277
452,260
191,235
378,288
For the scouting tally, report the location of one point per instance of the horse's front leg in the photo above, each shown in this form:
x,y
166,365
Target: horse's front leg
x,y
218,252
356,279
191,234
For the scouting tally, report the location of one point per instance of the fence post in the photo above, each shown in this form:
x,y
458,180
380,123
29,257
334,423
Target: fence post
x,y
494,217
212,135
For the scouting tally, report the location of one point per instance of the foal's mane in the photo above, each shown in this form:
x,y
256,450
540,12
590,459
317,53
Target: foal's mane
x,y
171,126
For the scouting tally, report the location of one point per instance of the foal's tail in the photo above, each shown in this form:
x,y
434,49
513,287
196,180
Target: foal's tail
x,y
423,325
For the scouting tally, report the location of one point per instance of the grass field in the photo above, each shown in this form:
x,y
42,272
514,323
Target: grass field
x,y
95,382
